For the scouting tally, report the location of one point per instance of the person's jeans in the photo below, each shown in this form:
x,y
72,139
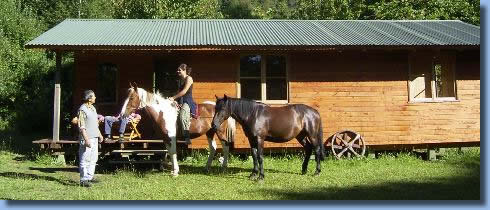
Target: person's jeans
x,y
109,120
88,159
185,117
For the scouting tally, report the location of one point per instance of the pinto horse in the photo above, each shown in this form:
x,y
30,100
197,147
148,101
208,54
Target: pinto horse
x,y
163,114
261,122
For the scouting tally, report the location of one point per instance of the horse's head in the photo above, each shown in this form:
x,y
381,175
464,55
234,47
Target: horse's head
x,y
132,102
222,111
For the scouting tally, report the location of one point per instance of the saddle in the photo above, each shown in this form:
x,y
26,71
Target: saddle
x,y
196,116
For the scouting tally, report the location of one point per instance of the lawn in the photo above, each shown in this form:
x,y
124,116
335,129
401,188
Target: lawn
x,y
402,176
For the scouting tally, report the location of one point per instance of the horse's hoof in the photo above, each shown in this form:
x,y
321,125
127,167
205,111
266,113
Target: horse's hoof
x,y
253,177
316,174
303,172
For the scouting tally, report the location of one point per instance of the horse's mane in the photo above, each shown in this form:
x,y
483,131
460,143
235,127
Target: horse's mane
x,y
244,107
209,102
149,98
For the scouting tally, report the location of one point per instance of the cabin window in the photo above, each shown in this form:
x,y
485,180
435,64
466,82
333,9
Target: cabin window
x,y
106,83
264,78
433,79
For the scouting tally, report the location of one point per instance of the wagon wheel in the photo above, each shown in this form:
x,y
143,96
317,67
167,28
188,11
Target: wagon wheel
x,y
347,143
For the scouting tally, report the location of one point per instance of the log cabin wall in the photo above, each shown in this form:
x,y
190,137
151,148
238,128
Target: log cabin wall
x,y
368,92
364,91
134,67
213,73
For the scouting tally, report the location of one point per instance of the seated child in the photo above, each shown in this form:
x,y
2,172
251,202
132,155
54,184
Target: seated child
x,y
109,120
74,121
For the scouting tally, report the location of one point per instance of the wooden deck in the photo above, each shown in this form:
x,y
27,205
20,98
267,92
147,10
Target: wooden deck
x,y
108,147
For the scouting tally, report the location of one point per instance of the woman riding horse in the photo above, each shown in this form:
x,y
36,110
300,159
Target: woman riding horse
x,y
188,106
164,120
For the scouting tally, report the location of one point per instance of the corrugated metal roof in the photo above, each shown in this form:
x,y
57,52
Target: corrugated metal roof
x,y
171,33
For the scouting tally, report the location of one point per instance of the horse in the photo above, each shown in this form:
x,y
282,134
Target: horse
x,y
261,122
163,114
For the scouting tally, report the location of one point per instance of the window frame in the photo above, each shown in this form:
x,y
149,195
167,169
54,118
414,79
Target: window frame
x,y
436,59
263,77
116,80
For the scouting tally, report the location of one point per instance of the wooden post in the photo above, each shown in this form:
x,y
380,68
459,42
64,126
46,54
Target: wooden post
x,y
431,154
57,106
56,115
57,97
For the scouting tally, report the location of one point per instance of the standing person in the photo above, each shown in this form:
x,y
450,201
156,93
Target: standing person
x,y
89,134
186,101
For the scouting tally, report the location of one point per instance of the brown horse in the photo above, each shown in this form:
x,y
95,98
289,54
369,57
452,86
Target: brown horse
x,y
163,114
261,122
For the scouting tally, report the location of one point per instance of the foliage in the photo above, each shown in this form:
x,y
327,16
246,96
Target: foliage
x,y
21,71
167,9
97,9
50,12
237,9
464,10
328,9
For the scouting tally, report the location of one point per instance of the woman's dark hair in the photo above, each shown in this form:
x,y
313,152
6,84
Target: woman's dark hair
x,y
87,94
186,68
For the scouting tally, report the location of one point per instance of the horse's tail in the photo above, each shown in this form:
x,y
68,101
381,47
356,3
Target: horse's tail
x,y
320,139
230,131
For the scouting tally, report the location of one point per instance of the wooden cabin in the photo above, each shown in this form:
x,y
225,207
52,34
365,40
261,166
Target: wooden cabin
x,y
398,83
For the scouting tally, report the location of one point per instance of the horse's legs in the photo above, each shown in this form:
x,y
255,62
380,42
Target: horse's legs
x,y
307,146
316,143
308,151
212,151
226,152
255,169
172,150
260,151
318,160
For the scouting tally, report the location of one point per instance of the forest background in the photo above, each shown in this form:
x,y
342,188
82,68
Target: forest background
x,y
27,76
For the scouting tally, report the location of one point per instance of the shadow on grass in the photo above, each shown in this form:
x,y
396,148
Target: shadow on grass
x,y
451,188
216,170
54,170
16,175
24,158
20,143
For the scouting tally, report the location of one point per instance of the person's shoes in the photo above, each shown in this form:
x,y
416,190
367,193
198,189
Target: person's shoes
x,y
85,183
94,181
107,138
121,137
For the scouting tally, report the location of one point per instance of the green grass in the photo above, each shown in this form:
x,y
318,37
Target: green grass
x,y
456,176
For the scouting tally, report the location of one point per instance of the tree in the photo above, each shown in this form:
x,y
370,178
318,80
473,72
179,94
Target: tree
x,y
464,10
21,71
